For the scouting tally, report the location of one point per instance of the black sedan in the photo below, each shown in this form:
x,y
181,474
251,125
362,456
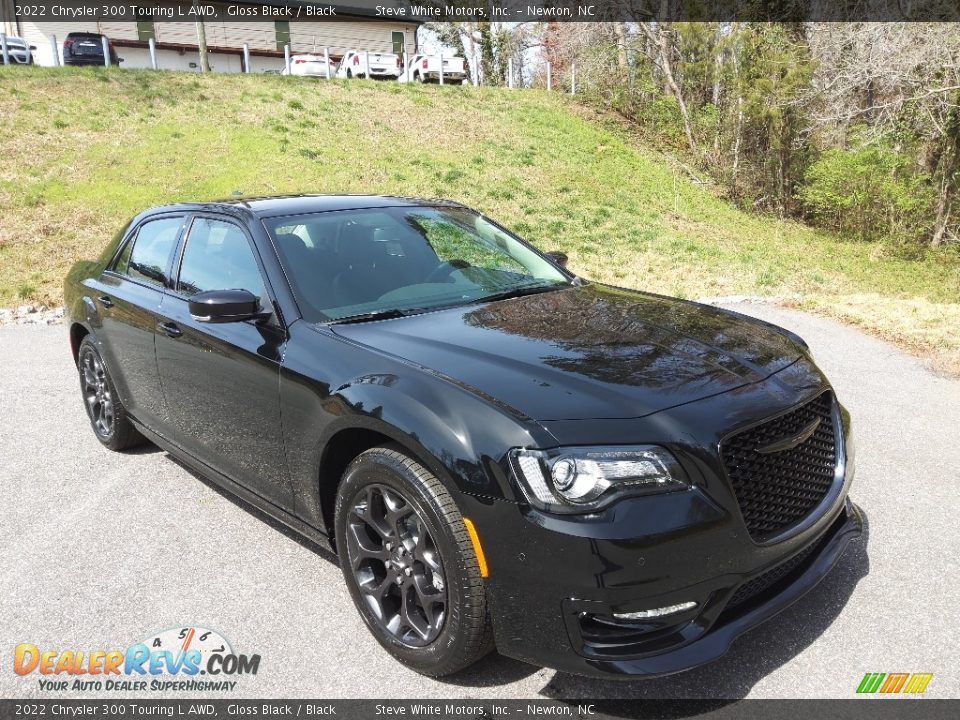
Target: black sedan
x,y
501,453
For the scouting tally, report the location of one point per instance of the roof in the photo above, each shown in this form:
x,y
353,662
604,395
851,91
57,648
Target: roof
x,y
274,206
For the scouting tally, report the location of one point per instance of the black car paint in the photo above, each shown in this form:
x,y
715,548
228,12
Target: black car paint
x,y
270,409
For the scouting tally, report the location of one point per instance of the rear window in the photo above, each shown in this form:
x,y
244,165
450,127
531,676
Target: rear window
x,y
147,257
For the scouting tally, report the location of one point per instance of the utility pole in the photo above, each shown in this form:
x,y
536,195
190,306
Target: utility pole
x,y
201,41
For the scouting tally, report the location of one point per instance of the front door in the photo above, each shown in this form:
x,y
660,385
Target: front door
x,y
221,380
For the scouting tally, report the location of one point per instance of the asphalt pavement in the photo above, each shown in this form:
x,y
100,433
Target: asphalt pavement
x,y
101,550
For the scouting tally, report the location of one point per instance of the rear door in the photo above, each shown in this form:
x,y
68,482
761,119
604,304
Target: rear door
x,y
88,46
221,380
129,298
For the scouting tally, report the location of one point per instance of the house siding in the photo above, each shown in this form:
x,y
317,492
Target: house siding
x,y
339,36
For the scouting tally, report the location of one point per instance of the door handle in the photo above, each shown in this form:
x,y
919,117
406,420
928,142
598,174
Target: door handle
x,y
105,301
170,329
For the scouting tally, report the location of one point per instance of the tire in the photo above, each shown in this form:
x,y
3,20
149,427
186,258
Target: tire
x,y
349,74
387,495
108,417
419,78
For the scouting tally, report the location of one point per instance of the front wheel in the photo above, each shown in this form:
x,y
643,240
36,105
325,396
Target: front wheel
x,y
410,565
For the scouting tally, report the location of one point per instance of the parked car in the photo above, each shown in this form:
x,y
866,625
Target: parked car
x,y
382,65
19,50
426,68
311,65
86,48
600,480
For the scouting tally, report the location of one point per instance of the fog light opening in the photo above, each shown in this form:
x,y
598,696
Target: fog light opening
x,y
656,612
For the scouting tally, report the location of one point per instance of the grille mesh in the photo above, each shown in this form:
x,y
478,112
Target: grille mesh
x,y
777,489
762,582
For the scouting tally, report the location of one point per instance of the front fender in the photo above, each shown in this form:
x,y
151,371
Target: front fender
x,y
458,436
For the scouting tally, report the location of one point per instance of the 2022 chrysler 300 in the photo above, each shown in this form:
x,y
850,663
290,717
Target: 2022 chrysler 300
x,y
594,479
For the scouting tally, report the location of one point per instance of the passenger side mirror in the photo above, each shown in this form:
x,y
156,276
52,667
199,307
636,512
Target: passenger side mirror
x,y
558,256
221,306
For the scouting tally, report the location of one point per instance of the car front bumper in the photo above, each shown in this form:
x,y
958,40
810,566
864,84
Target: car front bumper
x,y
555,584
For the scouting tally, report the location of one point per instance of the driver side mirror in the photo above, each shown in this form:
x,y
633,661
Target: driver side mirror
x,y
558,256
221,306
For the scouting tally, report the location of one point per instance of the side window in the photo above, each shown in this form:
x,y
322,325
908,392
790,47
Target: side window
x,y
219,257
147,256
123,262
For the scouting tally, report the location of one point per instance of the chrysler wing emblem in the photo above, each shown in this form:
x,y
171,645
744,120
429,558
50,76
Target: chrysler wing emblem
x,y
788,443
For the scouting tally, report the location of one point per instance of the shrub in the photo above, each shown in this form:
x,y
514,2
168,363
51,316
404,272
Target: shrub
x,y
872,194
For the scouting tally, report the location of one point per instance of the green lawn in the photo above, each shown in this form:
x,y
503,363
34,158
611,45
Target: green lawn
x,y
83,149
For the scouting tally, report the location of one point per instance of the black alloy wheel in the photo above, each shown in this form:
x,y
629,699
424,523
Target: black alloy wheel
x,y
396,565
410,564
108,416
97,394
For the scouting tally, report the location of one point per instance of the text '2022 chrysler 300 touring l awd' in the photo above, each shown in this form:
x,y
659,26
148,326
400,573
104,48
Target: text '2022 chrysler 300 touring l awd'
x,y
502,454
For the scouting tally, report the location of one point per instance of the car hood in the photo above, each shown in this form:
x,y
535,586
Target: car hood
x,y
591,351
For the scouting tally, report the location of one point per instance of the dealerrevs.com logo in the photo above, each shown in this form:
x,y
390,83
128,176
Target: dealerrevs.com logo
x,y
171,660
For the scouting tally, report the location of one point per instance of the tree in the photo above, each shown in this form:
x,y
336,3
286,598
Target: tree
x,y
202,41
661,38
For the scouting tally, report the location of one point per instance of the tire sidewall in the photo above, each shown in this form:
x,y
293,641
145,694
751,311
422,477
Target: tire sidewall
x,y
88,347
375,468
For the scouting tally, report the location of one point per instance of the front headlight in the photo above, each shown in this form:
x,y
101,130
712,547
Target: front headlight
x,y
585,479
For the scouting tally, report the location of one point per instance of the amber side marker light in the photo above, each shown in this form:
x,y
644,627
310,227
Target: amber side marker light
x,y
477,547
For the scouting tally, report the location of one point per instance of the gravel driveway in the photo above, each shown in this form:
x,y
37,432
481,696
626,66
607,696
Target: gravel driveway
x,y
102,549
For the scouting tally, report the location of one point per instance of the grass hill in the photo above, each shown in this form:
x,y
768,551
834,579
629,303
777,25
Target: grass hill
x,y
83,149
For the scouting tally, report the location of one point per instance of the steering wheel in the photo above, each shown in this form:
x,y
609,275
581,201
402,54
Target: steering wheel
x,y
445,270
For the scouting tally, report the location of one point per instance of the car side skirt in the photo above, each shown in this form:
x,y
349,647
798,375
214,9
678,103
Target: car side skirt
x,y
308,531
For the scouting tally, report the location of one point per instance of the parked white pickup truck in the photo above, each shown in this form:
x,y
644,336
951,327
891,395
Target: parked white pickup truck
x,y
426,68
382,65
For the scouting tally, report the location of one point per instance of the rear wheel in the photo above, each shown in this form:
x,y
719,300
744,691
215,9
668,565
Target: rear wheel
x,y
106,412
410,565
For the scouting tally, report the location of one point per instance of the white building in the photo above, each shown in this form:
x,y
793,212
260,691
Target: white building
x,y
177,43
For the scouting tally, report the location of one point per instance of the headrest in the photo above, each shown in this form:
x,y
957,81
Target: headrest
x,y
357,245
290,243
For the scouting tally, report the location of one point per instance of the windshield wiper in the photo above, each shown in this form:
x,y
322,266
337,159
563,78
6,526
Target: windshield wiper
x,y
372,315
519,292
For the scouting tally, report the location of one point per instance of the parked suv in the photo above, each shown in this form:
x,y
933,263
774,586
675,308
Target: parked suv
x,y
19,51
84,48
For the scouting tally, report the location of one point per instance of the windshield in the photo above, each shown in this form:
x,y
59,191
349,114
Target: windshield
x,y
349,263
